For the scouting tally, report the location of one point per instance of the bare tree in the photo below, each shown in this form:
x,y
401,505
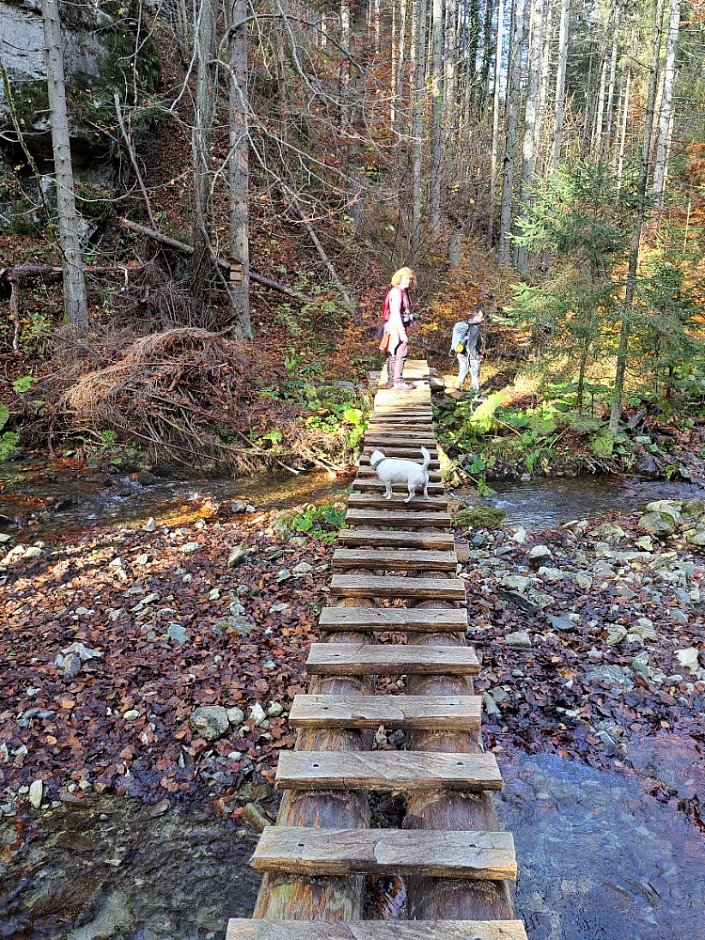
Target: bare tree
x,y
512,120
238,169
436,115
419,80
665,123
563,39
530,118
639,219
494,156
75,297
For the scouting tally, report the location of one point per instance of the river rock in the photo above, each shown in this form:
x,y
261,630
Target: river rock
x,y
131,714
616,677
689,658
302,568
279,608
515,582
641,667
150,525
541,599
551,574
237,554
583,580
669,506
678,616
609,532
70,666
564,624
479,517
236,716
177,633
210,722
603,570
190,548
519,536
615,634
696,537
693,508
523,603
257,714
275,709
538,554
645,543
83,652
660,524
490,705
36,793
519,640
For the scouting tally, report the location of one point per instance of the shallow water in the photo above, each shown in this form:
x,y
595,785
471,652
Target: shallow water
x,y
550,501
599,859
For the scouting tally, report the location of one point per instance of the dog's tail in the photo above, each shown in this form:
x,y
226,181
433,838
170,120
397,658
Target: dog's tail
x,y
426,458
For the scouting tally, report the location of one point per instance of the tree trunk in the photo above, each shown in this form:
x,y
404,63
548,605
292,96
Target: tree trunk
x,y
450,61
75,297
563,38
607,139
399,81
239,171
623,348
512,117
623,126
417,132
201,135
532,96
436,115
666,113
494,156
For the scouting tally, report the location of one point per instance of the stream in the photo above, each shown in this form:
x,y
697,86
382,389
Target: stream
x,y
599,857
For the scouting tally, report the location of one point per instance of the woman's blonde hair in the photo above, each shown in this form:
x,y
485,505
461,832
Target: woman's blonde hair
x,y
401,273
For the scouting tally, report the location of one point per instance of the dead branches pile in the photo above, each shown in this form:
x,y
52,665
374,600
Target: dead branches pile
x,y
188,397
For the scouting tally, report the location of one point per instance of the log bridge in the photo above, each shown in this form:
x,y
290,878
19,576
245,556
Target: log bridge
x,y
396,610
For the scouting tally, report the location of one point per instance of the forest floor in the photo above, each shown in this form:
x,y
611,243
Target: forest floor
x,y
113,641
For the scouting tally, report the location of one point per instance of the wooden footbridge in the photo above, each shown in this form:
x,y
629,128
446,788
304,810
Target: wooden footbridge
x,y
394,578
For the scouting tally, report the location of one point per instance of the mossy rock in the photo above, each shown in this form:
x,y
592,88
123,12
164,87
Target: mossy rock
x,y
660,524
480,517
602,446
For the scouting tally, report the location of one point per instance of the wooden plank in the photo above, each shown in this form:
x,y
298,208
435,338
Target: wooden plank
x,y
381,538
436,712
369,483
387,439
241,929
353,585
353,659
399,619
380,501
387,770
440,854
402,519
407,453
394,558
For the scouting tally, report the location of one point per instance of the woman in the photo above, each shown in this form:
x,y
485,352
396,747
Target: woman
x,y
395,341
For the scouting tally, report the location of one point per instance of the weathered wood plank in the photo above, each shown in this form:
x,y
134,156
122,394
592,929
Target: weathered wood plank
x,y
342,659
409,559
482,855
405,518
382,619
379,500
239,929
381,538
435,712
387,770
352,585
407,453
388,441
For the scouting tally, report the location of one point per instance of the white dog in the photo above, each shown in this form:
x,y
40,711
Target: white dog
x,y
393,470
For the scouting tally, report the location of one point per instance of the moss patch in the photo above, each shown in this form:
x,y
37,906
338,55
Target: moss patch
x,y
480,517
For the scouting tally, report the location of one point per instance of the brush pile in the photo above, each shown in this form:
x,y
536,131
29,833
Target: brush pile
x,y
188,397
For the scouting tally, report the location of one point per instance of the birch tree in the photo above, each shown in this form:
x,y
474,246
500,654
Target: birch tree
x,y
75,297
665,123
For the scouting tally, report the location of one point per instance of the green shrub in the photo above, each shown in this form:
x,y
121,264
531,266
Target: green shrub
x,y
480,517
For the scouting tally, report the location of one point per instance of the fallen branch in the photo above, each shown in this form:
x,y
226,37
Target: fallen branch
x,y
221,262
